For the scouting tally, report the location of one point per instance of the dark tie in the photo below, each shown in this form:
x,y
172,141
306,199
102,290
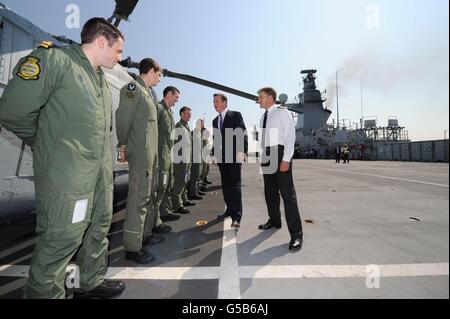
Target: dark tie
x,y
263,138
221,123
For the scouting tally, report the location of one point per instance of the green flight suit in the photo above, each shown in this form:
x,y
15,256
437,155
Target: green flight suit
x,y
205,165
57,104
137,128
196,166
163,201
182,168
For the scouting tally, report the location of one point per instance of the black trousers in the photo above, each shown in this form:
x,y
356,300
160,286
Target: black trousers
x,y
337,157
230,174
282,183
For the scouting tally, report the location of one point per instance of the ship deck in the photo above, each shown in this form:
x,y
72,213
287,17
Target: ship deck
x,y
371,230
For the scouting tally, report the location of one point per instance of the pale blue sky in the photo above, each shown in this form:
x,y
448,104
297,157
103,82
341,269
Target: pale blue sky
x,y
248,44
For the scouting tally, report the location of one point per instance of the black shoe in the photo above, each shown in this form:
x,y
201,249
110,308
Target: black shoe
x,y
268,225
169,217
195,197
224,215
207,182
182,210
163,228
141,257
200,193
153,239
202,189
107,289
235,224
296,244
188,203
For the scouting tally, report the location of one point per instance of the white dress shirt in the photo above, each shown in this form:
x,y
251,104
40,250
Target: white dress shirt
x,y
280,130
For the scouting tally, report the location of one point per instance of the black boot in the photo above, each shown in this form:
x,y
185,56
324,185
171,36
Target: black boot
x,y
153,239
182,210
188,203
107,289
141,257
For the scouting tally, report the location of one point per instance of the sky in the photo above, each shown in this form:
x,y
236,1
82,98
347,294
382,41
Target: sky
x,y
397,49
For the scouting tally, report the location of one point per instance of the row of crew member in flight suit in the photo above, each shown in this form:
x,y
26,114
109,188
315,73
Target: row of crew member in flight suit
x,y
161,184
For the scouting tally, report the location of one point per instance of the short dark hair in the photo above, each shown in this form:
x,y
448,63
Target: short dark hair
x,y
269,91
184,108
222,96
147,64
170,89
97,27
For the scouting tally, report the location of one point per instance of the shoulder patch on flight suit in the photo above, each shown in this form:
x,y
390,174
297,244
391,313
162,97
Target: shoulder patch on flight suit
x,y
30,69
131,88
47,45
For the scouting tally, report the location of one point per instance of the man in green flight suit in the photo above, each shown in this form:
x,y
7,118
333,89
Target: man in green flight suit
x,y
205,158
58,102
137,135
163,201
194,193
181,153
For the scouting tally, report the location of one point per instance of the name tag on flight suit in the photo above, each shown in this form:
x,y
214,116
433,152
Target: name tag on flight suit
x,y
79,212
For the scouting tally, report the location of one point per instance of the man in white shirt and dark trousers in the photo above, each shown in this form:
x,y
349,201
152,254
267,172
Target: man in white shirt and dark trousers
x,y
277,145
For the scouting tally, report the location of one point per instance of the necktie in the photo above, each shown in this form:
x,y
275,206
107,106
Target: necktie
x,y
221,122
263,139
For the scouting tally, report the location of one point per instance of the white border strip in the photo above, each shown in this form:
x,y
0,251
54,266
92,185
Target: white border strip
x,y
380,176
344,271
166,273
256,272
229,285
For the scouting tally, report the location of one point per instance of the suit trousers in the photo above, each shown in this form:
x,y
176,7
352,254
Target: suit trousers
x,y
282,183
230,174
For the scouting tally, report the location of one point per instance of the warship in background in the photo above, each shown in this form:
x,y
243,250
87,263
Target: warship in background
x,y
316,138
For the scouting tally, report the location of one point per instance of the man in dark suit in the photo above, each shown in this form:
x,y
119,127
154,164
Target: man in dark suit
x,y
230,148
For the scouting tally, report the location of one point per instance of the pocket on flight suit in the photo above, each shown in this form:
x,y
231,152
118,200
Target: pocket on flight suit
x,y
141,182
64,215
164,178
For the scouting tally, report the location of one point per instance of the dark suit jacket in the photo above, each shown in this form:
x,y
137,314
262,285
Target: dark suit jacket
x,y
238,143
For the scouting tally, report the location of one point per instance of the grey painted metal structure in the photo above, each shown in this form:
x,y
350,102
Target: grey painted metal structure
x,y
423,151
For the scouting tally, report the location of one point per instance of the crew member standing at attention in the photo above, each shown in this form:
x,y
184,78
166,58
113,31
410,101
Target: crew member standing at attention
x,y
181,154
59,103
166,125
137,134
277,144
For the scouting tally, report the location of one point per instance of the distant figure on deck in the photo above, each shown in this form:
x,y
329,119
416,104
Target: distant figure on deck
x,y
337,154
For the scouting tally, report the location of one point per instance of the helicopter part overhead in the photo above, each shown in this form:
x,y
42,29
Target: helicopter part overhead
x,y
122,11
210,84
128,63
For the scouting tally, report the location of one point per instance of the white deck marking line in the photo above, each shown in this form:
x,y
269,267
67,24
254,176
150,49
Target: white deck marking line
x,y
256,272
18,248
12,286
381,176
343,271
167,273
229,285
33,241
14,262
